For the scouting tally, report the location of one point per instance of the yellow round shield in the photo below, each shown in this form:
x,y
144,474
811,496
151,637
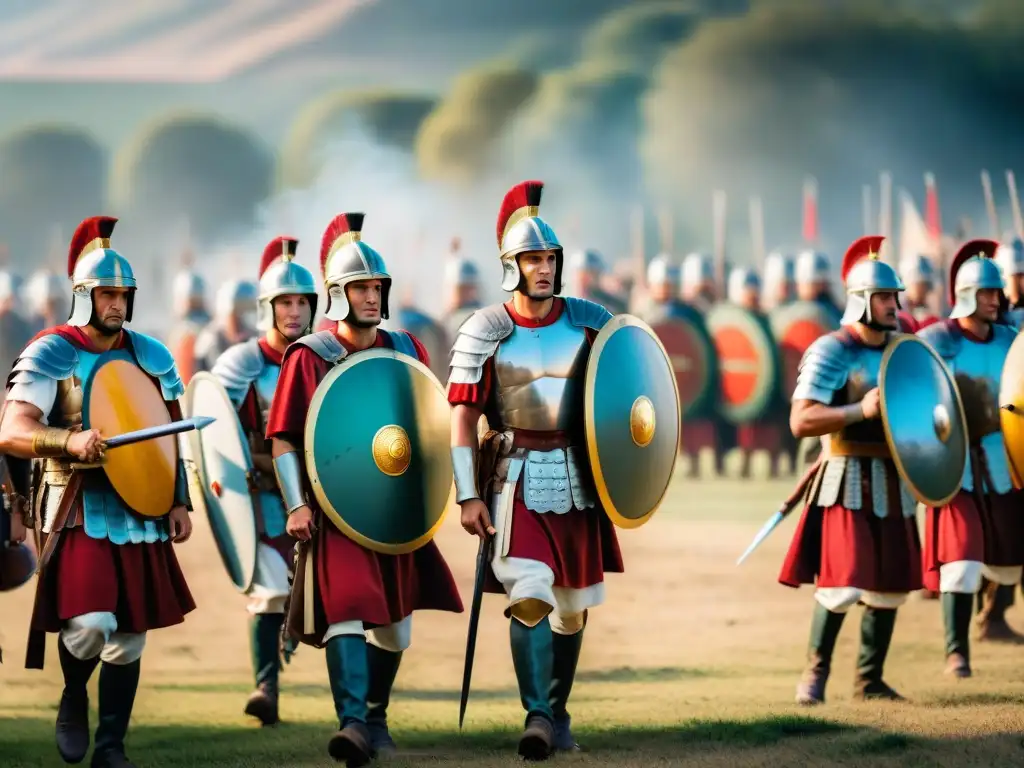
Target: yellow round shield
x,y
1011,409
119,398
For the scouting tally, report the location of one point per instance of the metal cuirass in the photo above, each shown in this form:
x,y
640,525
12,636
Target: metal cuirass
x,y
265,384
539,374
865,366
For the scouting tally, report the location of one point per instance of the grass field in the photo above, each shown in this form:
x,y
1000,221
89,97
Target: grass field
x,y
692,661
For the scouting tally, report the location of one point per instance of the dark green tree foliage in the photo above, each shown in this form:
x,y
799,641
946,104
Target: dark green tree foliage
x,y
51,177
387,117
193,168
843,90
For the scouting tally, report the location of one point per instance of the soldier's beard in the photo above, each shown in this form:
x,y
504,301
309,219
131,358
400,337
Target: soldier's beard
x,y
106,329
354,320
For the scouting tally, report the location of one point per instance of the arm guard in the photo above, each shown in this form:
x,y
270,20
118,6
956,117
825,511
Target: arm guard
x,y
50,441
464,468
288,472
181,495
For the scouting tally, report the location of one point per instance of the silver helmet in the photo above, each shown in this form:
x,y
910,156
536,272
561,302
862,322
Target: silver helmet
x,y
917,269
698,268
344,259
236,297
664,271
281,276
1010,258
973,269
459,272
865,275
92,263
742,279
521,230
813,267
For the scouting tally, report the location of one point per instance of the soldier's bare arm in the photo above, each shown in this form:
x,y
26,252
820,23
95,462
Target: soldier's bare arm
x,y
465,442
23,434
289,472
809,418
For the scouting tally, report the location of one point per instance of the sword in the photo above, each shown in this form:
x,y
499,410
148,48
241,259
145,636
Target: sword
x,y
160,430
483,557
787,506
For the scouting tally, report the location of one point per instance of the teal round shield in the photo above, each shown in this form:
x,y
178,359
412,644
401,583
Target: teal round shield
x,y
378,450
924,420
633,420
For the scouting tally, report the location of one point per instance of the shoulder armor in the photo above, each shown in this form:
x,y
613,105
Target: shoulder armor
x,y
586,314
1004,335
401,341
823,370
50,356
239,366
156,360
941,336
479,336
326,345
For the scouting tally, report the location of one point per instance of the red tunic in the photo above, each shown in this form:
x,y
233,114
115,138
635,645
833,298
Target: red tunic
x,y
141,584
839,547
579,546
354,583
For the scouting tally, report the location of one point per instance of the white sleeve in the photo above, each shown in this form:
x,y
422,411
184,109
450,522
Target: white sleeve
x,y
40,392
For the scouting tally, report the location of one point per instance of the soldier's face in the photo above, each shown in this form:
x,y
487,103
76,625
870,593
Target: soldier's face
x,y
364,300
292,315
918,292
538,273
109,307
883,309
988,304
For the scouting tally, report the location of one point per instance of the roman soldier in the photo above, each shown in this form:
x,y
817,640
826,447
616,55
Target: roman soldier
x,y
744,289
522,365
779,281
249,373
814,281
234,321
979,533
361,601
698,282
857,539
585,278
109,574
462,283
918,275
188,293
1010,260
46,306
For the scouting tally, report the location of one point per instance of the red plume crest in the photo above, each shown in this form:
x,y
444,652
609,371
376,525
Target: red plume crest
x,y
96,227
342,224
982,247
861,249
276,249
522,195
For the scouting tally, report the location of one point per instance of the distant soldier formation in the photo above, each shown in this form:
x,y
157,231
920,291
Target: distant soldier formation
x,y
323,451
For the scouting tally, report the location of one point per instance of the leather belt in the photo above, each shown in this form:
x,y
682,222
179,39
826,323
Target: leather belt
x,y
837,447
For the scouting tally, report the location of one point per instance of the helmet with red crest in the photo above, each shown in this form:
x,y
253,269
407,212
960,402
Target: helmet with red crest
x,y
521,230
344,259
92,263
973,269
864,275
281,276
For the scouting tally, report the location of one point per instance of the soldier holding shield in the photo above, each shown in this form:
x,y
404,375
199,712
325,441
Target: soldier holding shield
x,y
857,539
351,595
109,570
248,373
528,365
980,532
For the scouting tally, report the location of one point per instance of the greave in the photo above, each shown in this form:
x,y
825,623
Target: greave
x,y
533,659
349,676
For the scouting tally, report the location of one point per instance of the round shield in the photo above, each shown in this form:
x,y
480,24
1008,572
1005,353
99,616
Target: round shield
x,y
378,450
796,326
748,362
924,420
223,467
692,357
1011,409
120,397
632,419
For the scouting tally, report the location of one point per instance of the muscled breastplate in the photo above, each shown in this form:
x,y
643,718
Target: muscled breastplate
x,y
265,384
863,377
539,373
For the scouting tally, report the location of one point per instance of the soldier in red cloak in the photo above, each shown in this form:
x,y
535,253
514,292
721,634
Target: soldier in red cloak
x,y
113,575
857,539
362,600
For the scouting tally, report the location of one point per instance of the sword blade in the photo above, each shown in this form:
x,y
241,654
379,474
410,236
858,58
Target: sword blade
x,y
801,490
482,559
763,534
160,430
